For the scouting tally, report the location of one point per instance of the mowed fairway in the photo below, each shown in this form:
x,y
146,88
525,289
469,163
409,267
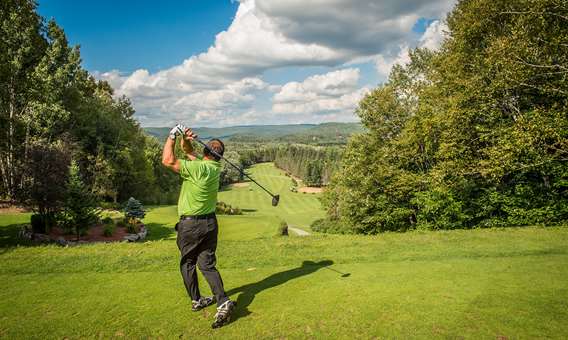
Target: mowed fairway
x,y
297,209
496,283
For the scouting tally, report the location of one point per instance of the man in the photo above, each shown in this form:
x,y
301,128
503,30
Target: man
x,y
197,228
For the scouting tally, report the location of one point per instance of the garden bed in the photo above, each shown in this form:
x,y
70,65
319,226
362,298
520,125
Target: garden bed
x,y
93,235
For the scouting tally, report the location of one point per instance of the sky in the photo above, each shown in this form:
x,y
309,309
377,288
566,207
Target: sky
x,y
221,63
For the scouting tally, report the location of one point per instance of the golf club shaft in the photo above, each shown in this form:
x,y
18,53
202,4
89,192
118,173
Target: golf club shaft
x,y
233,165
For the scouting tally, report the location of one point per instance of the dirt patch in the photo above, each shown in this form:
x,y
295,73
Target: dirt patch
x,y
240,185
10,208
311,190
94,234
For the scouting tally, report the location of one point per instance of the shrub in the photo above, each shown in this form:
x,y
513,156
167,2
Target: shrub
x,y
38,224
108,230
108,220
283,229
131,228
80,205
223,208
134,210
109,205
331,226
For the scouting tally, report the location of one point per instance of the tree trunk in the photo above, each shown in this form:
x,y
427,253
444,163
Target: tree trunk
x,y
10,156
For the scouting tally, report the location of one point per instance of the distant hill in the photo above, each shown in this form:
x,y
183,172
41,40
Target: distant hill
x,y
325,133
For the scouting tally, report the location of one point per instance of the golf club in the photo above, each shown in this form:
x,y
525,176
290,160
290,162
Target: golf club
x,y
337,271
275,198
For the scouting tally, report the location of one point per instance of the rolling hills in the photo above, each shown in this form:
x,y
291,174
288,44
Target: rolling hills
x,y
325,133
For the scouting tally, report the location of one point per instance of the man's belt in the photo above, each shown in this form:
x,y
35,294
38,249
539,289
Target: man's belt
x,y
197,217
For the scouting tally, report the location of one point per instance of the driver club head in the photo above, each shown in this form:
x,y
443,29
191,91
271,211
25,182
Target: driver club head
x,y
275,200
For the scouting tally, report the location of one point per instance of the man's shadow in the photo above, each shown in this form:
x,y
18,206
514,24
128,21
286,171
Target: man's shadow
x,y
249,291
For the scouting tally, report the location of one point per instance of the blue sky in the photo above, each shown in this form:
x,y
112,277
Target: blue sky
x,y
221,62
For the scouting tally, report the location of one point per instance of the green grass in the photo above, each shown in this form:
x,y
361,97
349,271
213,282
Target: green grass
x,y
297,209
475,284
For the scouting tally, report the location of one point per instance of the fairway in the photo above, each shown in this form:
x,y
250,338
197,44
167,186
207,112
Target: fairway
x,y
297,209
493,283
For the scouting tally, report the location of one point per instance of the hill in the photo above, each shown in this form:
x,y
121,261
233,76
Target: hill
x,y
325,133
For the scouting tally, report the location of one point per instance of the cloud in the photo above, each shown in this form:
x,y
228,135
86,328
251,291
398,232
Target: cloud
x,y
225,80
334,94
432,39
354,27
434,35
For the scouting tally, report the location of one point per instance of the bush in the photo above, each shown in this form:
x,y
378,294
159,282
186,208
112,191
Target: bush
x,y
80,206
283,229
121,224
108,220
330,226
131,228
134,210
109,205
223,208
38,224
108,230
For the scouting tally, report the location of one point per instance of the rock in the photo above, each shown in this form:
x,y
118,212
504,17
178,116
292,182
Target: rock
x,y
143,232
62,242
131,237
40,238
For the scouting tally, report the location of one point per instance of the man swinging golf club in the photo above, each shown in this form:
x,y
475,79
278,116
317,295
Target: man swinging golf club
x,y
197,228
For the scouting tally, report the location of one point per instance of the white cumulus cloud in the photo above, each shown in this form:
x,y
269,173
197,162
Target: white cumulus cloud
x,y
333,94
432,39
223,83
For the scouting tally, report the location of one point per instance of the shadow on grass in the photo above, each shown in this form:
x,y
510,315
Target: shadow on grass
x,y
9,238
249,291
157,231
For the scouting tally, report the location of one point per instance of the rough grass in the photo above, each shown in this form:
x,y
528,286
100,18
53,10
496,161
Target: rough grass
x,y
492,283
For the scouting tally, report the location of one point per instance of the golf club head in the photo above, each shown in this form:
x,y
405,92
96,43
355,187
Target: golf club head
x,y
275,200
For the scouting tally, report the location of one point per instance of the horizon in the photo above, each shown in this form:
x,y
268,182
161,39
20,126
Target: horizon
x,y
251,125
239,63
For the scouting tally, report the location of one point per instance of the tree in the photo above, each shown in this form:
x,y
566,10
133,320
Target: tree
x,y
134,210
80,210
48,171
474,135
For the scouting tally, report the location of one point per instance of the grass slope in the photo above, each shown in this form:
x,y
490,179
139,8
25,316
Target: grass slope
x,y
297,209
495,283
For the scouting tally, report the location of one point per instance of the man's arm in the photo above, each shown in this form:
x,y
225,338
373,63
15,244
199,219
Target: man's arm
x,y
169,159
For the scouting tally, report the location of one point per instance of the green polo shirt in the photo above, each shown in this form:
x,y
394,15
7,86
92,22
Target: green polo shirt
x,y
198,195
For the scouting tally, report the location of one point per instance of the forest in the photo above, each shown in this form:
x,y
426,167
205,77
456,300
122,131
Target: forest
x,y
54,112
472,136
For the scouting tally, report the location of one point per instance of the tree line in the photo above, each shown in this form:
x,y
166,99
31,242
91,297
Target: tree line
x,y
313,164
53,112
474,135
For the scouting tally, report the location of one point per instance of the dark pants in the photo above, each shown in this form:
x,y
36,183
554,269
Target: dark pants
x,y
197,242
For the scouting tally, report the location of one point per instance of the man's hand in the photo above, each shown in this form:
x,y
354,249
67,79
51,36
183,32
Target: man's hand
x,y
186,144
189,135
177,130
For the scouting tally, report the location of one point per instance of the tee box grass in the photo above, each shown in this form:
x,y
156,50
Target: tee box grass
x,y
474,284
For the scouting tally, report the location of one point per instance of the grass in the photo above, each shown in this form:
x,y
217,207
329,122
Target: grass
x,y
297,209
492,283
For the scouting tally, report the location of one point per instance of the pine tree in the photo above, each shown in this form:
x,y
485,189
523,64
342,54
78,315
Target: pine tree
x,y
80,205
134,210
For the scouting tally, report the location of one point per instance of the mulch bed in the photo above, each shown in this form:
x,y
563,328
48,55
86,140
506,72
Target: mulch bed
x,y
94,234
